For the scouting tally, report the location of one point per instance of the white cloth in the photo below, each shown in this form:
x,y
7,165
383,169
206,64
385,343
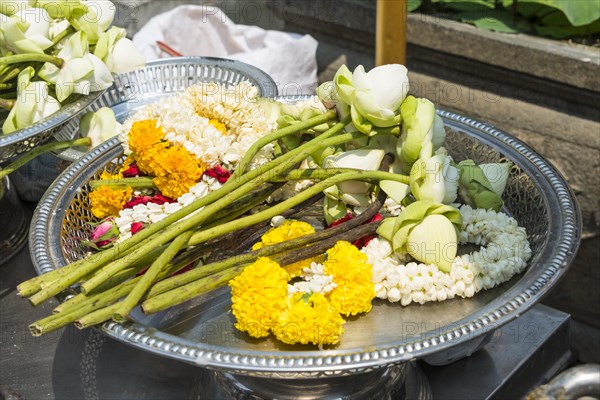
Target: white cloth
x,y
290,59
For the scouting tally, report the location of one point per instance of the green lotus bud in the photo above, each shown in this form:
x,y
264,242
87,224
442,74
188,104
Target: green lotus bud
x,y
427,231
417,131
475,188
363,159
497,174
33,103
435,179
99,126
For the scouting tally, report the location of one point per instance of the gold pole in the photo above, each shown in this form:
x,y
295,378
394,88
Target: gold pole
x,y
390,43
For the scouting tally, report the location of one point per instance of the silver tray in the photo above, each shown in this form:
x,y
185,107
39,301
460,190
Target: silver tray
x,y
201,332
162,77
18,142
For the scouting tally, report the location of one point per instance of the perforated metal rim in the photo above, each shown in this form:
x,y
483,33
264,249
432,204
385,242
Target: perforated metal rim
x,y
561,246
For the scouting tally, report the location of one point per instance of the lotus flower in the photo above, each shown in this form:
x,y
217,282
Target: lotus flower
x,y
81,71
435,179
374,98
27,31
476,189
33,103
363,159
99,126
118,53
11,7
418,117
95,20
427,231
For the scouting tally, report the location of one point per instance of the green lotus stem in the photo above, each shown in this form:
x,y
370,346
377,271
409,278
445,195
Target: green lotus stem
x,y
63,35
7,104
201,217
228,193
56,321
204,285
209,281
7,86
371,176
189,291
31,57
324,173
8,96
11,74
41,150
143,182
75,301
140,289
267,251
97,317
109,284
278,134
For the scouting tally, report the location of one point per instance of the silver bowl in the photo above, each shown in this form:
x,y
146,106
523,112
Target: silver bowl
x,y
18,142
201,332
158,78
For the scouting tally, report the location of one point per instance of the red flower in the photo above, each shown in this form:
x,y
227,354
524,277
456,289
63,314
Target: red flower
x,y
131,172
136,227
362,242
219,173
157,199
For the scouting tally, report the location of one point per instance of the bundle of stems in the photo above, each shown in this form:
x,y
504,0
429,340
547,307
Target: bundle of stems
x,y
107,283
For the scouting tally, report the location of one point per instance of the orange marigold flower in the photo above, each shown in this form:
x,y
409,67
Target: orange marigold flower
x,y
107,202
143,135
181,171
352,274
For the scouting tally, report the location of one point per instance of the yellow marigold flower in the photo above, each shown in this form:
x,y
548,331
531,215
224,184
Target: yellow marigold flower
x,y
309,320
107,176
143,135
289,230
150,161
258,296
352,273
107,202
181,172
219,125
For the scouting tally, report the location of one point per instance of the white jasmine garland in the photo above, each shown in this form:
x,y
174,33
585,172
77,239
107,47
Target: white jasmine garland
x,y
504,253
314,281
151,213
185,119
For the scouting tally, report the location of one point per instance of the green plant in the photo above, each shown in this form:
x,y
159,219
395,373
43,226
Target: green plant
x,y
559,19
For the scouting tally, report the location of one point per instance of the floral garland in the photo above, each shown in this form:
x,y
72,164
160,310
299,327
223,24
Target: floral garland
x,y
312,308
187,143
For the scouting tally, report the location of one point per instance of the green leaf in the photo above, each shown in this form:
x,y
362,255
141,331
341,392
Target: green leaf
x,y
563,32
468,5
412,5
496,25
578,12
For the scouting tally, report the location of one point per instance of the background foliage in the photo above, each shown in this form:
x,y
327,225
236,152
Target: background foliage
x,y
558,19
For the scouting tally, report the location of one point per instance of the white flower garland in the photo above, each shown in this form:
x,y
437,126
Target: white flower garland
x,y
505,251
185,119
151,213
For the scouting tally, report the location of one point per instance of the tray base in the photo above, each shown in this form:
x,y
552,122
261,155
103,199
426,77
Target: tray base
x,y
405,381
14,218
